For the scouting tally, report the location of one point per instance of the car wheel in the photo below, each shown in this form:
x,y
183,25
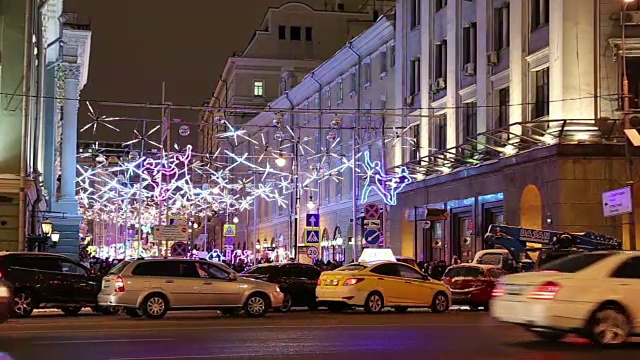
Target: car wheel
x,y
134,313
23,304
256,305
401,309
155,306
286,304
71,310
609,326
548,335
374,303
440,302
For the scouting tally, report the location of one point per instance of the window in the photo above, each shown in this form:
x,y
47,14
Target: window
x,y
383,62
118,269
440,133
190,270
386,270
290,271
464,272
42,263
440,61
440,4
392,56
414,146
575,263
470,117
72,268
539,13
295,33
352,268
501,27
414,82
354,82
633,77
630,269
503,108
317,102
157,268
415,13
258,88
541,101
366,68
469,44
327,95
308,33
215,272
340,91
282,32
260,270
408,272
309,273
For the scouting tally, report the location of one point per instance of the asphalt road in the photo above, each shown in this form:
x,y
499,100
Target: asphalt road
x,y
297,335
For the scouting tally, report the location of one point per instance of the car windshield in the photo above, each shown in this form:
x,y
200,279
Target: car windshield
x,y
352,268
464,272
490,259
116,270
259,270
575,263
545,258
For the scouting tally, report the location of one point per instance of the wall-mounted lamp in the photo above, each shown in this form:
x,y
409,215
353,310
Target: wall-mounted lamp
x,y
549,220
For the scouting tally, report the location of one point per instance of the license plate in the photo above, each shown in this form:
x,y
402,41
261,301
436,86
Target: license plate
x,y
331,282
514,289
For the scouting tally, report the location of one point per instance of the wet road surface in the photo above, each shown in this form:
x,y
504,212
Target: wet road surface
x,y
297,335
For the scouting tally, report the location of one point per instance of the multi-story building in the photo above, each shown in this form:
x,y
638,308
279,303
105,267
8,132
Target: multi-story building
x,y
40,83
321,112
293,40
514,101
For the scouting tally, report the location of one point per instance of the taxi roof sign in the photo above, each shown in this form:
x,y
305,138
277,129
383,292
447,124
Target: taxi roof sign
x,y
371,255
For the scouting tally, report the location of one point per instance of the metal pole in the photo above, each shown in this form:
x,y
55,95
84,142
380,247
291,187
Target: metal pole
x,y
144,131
297,203
354,197
163,136
627,125
255,222
206,232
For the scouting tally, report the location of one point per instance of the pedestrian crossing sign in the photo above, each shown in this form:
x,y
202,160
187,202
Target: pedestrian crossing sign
x,y
312,235
229,230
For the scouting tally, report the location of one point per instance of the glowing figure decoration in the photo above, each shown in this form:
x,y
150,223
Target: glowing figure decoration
x,y
165,174
387,186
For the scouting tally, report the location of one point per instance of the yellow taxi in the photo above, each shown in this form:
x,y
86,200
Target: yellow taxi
x,y
379,284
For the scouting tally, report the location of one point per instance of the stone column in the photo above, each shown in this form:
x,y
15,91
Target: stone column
x,y
70,136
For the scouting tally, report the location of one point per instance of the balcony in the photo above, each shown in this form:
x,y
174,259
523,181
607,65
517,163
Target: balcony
x,y
75,21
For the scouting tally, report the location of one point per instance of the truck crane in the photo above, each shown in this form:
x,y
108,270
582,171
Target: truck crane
x,y
554,245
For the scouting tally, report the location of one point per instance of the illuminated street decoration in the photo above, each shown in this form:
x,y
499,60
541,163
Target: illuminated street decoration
x,y
387,186
167,175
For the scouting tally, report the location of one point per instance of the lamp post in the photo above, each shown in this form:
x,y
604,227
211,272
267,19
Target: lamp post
x,y
627,125
295,168
40,242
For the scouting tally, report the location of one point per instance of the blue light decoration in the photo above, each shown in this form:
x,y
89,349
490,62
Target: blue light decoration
x,y
376,179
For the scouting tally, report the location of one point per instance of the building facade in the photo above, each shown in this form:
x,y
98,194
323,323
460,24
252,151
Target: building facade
x,y
40,81
293,40
516,100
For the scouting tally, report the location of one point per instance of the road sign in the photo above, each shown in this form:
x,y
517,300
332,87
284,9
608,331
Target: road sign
x,y
372,224
617,202
228,240
372,211
434,214
312,235
372,236
312,252
179,249
171,233
228,247
313,220
229,230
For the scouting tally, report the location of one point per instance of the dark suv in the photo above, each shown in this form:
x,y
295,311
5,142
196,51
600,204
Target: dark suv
x,y
42,280
297,281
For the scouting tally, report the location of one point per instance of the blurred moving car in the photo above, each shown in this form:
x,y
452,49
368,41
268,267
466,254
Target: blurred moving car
x,y
45,280
377,285
593,294
296,281
5,301
409,261
154,286
472,284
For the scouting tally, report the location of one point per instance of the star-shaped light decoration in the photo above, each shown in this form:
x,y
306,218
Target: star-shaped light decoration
x,y
233,133
98,120
144,138
264,147
401,137
298,141
328,152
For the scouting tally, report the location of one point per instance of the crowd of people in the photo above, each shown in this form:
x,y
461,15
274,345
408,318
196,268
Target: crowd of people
x,y
436,269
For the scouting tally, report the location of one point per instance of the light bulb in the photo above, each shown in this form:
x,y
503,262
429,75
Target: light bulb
x,y
280,161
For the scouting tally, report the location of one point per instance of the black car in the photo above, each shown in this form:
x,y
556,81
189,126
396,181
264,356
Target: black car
x,y
297,282
42,280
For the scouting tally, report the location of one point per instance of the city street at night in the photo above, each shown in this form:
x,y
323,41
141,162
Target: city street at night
x,y
298,335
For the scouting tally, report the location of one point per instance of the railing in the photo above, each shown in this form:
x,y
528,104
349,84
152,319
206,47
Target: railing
x,y
513,139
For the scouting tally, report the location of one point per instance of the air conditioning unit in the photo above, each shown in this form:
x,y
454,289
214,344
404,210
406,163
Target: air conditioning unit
x,y
630,18
492,58
470,69
441,84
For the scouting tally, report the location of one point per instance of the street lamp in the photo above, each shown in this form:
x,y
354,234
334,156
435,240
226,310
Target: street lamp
x,y
311,205
281,161
47,227
236,220
55,237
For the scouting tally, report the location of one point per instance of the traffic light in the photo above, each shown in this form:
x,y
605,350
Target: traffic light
x,y
434,214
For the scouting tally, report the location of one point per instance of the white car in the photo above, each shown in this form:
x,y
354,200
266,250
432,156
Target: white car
x,y
594,294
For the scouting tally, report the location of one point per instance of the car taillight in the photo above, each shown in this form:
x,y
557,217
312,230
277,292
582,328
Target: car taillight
x,y
318,282
546,291
119,284
497,291
352,281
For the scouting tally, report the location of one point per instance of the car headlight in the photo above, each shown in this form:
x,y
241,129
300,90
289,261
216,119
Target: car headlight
x,y
277,289
5,292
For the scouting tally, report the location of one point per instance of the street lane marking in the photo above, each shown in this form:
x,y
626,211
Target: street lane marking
x,y
252,326
92,341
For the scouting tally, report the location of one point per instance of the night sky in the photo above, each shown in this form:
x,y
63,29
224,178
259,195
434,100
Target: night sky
x,y
138,44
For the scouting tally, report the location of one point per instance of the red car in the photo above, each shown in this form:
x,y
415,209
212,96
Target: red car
x,y
471,284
